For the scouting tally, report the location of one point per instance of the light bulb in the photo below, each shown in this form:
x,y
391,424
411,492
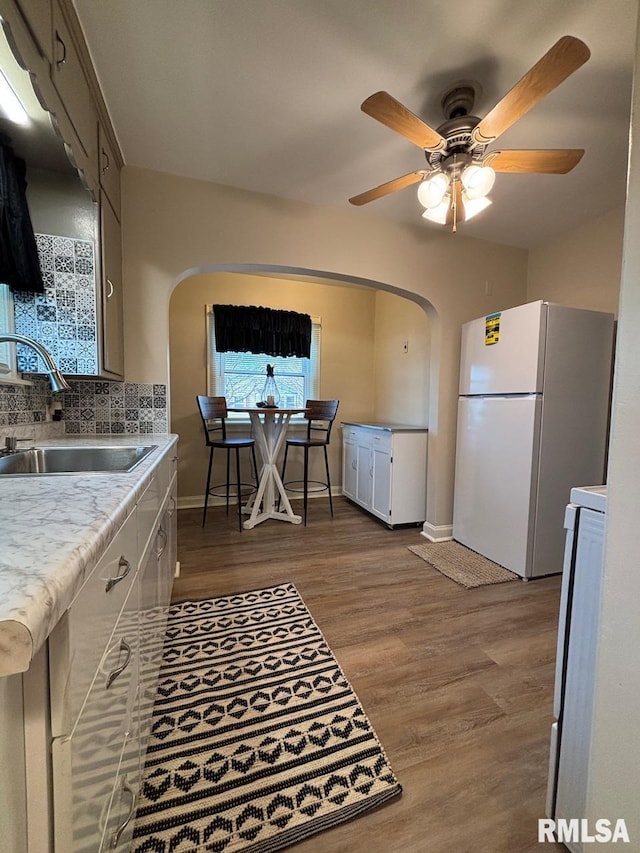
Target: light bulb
x,y
440,212
432,190
477,180
473,206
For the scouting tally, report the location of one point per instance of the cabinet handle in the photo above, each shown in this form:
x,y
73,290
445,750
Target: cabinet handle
x,y
121,828
124,647
161,533
61,62
122,564
105,168
173,506
110,283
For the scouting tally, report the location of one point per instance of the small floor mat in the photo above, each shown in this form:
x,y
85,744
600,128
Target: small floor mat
x,y
461,564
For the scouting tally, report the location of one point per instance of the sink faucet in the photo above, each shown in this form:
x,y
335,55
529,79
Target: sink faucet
x,y
58,382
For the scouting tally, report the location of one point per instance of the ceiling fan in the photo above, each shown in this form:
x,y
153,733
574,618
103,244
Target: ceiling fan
x,y
460,171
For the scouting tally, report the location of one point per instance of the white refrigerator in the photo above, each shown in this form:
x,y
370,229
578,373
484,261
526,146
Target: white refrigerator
x,y
532,423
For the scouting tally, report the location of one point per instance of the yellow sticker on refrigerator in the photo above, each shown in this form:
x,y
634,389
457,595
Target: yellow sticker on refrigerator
x,y
492,329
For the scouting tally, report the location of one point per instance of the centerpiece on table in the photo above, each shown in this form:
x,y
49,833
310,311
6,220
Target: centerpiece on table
x,y
270,393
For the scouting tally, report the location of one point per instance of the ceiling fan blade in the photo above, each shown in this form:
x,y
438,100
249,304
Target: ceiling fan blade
x,y
565,57
393,114
388,187
553,161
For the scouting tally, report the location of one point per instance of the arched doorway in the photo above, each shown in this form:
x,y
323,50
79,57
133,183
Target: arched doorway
x,y
376,351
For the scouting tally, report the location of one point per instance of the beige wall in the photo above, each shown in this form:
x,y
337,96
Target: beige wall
x,y
173,227
615,754
580,269
401,378
346,365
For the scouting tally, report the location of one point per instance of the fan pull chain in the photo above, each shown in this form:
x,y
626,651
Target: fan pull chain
x,y
455,211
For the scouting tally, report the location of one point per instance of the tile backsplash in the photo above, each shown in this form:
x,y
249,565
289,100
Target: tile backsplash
x,y
92,407
63,318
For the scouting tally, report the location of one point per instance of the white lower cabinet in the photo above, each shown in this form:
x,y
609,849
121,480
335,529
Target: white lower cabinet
x,y
384,470
104,658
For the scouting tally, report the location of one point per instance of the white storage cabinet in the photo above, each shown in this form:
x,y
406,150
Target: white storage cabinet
x,y
104,656
384,470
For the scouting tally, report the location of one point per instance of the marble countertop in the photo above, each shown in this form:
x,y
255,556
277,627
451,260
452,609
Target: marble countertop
x,y
53,528
389,427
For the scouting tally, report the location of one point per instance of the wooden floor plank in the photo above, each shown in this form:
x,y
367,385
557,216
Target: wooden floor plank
x,y
457,683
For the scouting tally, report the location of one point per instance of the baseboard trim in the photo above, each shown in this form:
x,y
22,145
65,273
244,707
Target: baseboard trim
x,y
437,532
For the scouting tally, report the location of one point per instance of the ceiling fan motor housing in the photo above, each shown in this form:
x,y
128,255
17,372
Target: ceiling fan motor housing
x,y
457,132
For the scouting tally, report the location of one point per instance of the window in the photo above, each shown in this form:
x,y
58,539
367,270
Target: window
x,y
8,372
240,376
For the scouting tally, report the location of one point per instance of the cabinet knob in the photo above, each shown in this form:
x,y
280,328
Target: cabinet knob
x,y
161,534
60,62
124,647
122,564
121,828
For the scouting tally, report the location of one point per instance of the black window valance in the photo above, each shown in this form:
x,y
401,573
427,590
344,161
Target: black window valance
x,y
247,328
19,262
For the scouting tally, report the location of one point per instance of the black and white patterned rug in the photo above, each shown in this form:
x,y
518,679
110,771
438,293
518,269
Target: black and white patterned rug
x,y
258,739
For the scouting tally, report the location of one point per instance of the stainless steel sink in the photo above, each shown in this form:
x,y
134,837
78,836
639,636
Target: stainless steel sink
x,y
73,460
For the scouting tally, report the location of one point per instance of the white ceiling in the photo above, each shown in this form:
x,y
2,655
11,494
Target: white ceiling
x,y
265,95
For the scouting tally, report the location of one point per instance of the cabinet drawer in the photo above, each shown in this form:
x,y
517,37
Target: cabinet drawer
x,y
119,822
78,642
85,764
349,433
382,441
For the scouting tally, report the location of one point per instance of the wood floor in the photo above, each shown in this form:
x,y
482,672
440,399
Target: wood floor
x,y
457,683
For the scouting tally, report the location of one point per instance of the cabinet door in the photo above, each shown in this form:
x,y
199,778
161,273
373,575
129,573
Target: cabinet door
x,y
109,171
85,765
152,621
37,15
349,468
71,84
363,475
112,305
172,544
381,492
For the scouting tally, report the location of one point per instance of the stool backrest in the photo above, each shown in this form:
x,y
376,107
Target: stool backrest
x,y
213,411
320,415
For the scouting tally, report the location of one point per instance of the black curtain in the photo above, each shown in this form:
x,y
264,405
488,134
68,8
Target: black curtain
x,y
241,328
19,262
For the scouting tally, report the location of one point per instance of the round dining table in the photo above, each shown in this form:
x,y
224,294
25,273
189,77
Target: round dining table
x,y
269,429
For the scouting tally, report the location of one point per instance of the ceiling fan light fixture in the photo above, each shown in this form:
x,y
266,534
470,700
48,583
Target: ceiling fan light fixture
x,y
439,213
477,180
432,190
473,206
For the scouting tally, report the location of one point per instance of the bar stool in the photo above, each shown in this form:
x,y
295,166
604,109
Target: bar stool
x,y
213,411
320,415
